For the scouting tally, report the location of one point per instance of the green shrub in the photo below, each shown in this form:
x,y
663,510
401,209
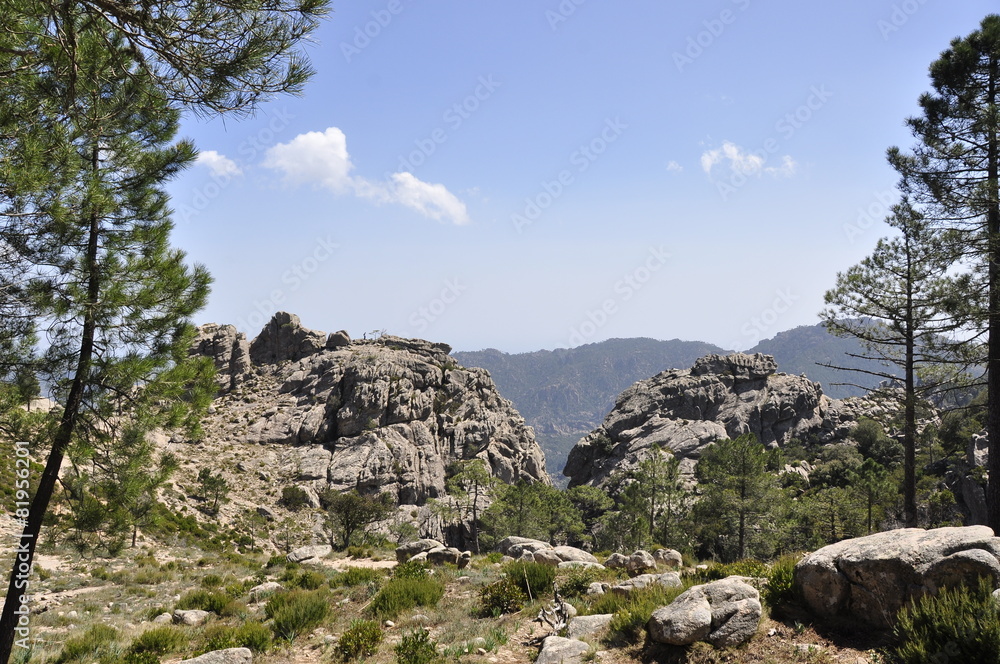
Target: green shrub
x,y
252,635
629,621
360,552
751,568
98,640
399,595
535,579
361,639
296,612
134,658
159,641
411,569
417,648
211,581
276,561
294,498
500,597
356,576
576,583
958,625
204,600
309,579
780,590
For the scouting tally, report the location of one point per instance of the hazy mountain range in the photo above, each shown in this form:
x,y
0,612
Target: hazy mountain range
x,y
565,393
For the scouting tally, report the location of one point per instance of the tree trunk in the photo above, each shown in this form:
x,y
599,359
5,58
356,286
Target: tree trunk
x,y
993,342
9,619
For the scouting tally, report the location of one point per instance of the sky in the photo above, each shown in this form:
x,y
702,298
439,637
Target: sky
x,y
539,174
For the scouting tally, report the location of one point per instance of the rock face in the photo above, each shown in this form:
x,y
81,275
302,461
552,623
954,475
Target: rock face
x,y
385,415
725,613
871,578
684,410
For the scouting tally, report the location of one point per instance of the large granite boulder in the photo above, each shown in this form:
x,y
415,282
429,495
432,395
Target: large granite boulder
x,y
406,551
871,578
229,351
304,553
557,650
685,410
725,613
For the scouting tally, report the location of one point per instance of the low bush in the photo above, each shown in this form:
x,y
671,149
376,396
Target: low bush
x,y
780,591
159,641
957,625
96,642
294,498
308,579
535,579
417,648
252,635
295,612
411,569
356,576
629,622
500,597
751,568
211,581
361,639
204,600
401,594
576,583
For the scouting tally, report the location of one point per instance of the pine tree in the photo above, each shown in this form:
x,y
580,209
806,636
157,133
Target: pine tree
x,y
953,175
897,303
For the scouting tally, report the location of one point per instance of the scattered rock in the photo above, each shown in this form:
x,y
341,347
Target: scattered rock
x,y
667,579
573,554
190,617
640,562
444,555
616,561
163,618
871,578
267,513
264,590
514,546
579,564
557,650
227,656
725,613
406,551
598,588
582,626
547,557
668,558
306,552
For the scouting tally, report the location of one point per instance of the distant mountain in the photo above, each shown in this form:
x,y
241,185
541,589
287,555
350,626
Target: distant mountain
x,y
801,350
565,393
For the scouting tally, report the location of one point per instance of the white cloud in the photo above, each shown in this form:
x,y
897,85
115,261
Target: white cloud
x,y
314,158
321,158
674,167
745,163
219,164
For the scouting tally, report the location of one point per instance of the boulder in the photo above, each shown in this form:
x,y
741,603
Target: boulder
x,y
547,557
725,613
598,588
616,561
338,339
304,553
667,579
163,619
444,555
227,656
640,562
871,578
579,564
465,560
190,616
406,551
268,513
514,546
314,463
573,554
583,626
668,558
264,590
285,339
557,650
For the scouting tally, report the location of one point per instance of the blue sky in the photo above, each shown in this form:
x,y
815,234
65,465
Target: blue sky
x,y
542,174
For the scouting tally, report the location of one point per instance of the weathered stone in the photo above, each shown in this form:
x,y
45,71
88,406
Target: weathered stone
x,y
465,560
339,339
640,562
306,552
725,613
314,463
227,656
264,590
573,554
667,579
163,618
871,578
582,626
579,564
547,557
444,555
616,561
598,588
514,546
668,558
557,650
190,616
285,339
228,349
406,551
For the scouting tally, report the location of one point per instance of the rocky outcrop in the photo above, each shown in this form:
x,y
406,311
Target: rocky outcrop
x,y
685,410
725,613
376,415
227,656
871,578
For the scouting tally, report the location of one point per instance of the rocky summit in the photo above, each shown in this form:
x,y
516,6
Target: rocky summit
x,y
721,396
386,414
